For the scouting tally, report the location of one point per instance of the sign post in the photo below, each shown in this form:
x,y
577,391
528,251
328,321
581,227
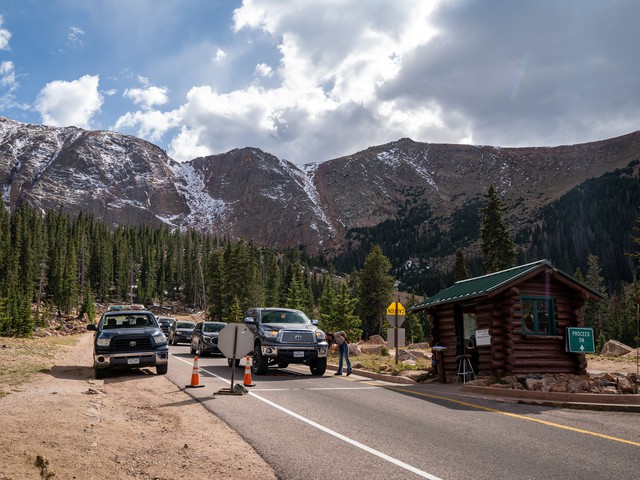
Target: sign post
x,y
580,340
395,317
234,341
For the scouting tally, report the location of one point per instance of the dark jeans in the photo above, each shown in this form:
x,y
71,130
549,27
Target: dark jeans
x,y
343,352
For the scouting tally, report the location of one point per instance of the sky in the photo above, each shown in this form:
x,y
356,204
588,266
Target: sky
x,y
308,81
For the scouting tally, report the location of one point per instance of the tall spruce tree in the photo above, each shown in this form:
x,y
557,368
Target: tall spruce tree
x,y
460,269
375,285
498,247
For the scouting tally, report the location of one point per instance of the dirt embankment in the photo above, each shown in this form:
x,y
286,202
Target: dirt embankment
x,y
61,423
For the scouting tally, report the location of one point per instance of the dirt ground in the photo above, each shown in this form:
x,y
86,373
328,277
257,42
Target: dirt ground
x,y
63,424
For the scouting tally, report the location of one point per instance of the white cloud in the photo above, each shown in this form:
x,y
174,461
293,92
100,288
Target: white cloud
x,y
333,58
5,36
264,70
8,76
62,103
74,37
151,124
220,55
147,97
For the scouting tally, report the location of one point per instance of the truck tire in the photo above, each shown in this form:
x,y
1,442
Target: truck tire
x,y
162,369
260,364
318,366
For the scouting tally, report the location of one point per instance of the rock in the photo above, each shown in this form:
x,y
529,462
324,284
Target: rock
x,y
419,353
371,349
534,384
375,340
409,362
613,348
577,386
404,355
416,375
419,346
354,350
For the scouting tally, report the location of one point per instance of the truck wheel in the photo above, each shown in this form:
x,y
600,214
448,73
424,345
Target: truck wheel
x,y
260,365
101,373
318,366
162,369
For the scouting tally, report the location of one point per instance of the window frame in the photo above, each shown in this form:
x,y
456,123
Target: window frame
x,y
550,303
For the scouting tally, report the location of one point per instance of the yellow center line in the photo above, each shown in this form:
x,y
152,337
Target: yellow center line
x,y
513,415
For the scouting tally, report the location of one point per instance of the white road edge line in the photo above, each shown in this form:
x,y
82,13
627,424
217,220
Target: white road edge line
x,y
339,436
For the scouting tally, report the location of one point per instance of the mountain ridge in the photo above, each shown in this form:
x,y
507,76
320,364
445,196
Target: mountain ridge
x,y
247,193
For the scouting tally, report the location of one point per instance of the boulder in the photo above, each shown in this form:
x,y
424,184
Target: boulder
x,y
375,340
354,350
371,349
417,375
613,348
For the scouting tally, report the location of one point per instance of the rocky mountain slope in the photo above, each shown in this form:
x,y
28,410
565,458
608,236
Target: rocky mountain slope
x,y
247,193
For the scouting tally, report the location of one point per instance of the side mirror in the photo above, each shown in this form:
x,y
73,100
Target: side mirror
x,y
249,320
92,326
314,322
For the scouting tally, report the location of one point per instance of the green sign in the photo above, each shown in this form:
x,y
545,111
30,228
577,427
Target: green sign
x,y
580,340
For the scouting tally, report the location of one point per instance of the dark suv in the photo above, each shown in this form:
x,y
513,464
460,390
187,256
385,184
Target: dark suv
x,y
283,336
128,339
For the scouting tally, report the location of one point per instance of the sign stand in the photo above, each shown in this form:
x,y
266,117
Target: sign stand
x,y
395,316
235,340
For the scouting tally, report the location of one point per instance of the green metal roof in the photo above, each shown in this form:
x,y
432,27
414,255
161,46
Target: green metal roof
x,y
481,286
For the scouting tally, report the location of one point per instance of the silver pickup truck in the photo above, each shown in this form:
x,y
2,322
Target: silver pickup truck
x,y
128,339
283,336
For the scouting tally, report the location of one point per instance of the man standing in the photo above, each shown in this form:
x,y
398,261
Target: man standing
x,y
343,351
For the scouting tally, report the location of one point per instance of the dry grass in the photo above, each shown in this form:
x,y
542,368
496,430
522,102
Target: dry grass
x,y
21,358
381,363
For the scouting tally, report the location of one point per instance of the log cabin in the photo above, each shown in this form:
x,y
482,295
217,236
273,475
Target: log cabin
x,y
511,322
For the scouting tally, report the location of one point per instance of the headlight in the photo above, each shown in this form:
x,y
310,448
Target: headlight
x,y
320,335
271,333
160,339
103,342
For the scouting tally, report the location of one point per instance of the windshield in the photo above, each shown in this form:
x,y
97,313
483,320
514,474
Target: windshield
x,y
284,316
128,321
188,325
213,327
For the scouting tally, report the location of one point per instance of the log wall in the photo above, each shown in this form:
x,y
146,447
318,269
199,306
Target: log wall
x,y
511,352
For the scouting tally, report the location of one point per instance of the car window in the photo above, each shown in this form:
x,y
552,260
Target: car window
x,y
185,325
128,321
213,327
284,317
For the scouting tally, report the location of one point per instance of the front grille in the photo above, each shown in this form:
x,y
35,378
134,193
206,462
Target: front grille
x,y
123,342
300,337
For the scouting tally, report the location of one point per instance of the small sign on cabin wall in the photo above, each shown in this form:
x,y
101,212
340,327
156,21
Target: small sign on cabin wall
x,y
483,339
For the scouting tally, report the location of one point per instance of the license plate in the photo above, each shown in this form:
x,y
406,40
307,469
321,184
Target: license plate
x,y
298,354
133,361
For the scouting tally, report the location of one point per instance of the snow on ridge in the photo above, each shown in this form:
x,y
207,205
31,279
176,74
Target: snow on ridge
x,y
203,207
305,179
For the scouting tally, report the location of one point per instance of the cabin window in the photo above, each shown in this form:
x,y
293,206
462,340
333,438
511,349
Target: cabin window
x,y
538,316
469,320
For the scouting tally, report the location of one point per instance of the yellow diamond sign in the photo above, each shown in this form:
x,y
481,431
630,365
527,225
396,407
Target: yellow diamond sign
x,y
395,308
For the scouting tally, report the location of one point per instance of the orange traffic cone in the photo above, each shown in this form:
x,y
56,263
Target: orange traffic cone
x,y
195,376
247,373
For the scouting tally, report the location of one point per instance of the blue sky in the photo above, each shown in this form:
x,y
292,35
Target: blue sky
x,y
313,80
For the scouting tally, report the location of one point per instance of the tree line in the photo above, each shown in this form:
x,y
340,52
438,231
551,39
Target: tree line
x,y
55,264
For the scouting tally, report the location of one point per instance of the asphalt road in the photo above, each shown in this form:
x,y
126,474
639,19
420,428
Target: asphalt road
x,y
353,427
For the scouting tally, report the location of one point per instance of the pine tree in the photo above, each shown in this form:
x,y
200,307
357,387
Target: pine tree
x,y
498,248
375,286
460,269
595,315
